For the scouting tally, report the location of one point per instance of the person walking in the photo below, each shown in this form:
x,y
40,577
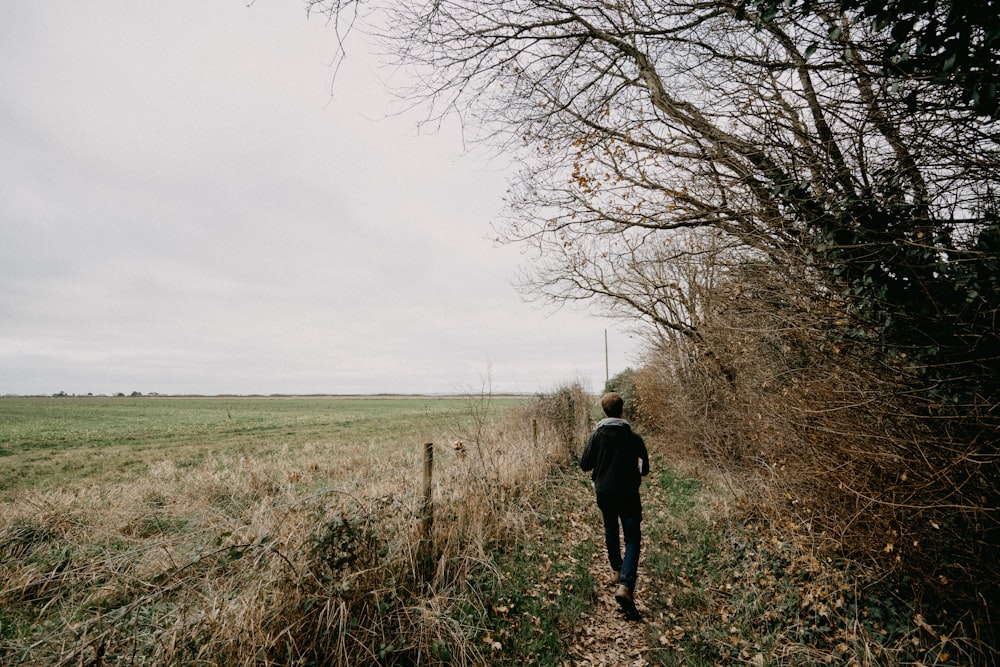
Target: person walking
x,y
618,459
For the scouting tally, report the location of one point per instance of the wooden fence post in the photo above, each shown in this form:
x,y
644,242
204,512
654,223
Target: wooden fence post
x,y
534,432
427,512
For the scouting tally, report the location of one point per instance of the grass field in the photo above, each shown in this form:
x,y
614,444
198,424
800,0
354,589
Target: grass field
x,y
280,531
48,443
237,530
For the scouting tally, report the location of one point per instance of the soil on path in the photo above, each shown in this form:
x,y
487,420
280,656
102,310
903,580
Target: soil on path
x,y
604,635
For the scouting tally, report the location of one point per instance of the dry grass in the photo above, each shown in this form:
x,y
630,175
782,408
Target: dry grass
x,y
256,560
828,449
748,576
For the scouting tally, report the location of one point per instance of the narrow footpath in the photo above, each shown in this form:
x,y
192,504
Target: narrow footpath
x,y
604,636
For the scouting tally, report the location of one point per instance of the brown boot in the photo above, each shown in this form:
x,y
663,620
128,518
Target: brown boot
x,y
623,596
613,580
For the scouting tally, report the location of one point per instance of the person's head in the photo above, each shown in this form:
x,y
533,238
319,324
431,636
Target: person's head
x,y
612,404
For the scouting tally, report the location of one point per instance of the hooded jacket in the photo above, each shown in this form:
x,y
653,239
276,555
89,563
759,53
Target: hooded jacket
x,y
617,456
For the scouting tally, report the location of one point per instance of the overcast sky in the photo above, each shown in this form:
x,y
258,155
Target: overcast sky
x,y
185,207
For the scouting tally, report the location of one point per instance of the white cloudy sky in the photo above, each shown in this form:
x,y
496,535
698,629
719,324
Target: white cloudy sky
x,y
185,207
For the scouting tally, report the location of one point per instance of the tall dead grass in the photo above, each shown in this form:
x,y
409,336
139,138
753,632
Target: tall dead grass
x,y
251,561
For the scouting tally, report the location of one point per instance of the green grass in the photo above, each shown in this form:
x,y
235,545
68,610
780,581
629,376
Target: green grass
x,y
680,491
54,442
546,584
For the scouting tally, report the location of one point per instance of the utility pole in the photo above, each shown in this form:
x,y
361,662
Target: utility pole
x,y
607,376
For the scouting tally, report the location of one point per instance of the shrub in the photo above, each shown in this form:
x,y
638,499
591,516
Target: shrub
x,y
834,441
567,414
625,384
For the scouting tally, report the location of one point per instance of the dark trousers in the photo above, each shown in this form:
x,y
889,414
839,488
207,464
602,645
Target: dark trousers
x,y
622,518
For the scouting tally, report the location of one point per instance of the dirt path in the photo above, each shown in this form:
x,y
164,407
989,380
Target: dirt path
x,y
604,636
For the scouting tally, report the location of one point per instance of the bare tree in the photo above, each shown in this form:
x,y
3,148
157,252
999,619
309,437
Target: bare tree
x,y
638,121
667,145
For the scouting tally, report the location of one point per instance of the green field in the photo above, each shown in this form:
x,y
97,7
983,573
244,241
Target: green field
x,y
240,530
63,441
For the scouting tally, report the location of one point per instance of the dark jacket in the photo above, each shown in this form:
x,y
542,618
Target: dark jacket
x,y
617,456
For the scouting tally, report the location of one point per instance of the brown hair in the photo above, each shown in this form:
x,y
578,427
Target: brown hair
x,y
612,404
